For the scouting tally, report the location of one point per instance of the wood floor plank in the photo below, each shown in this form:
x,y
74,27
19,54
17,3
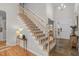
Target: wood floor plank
x,y
2,43
16,51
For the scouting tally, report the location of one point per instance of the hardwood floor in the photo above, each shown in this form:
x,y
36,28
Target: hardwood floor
x,y
63,49
16,51
2,43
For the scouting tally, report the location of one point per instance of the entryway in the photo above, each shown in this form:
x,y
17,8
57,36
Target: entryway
x,y
2,28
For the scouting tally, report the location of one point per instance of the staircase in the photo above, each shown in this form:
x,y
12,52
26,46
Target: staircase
x,y
35,31
43,41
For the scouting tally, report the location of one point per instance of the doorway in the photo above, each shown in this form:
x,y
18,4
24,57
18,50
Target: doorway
x,y
2,28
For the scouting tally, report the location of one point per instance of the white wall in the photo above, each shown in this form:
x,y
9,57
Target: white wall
x,y
11,17
38,9
49,11
65,18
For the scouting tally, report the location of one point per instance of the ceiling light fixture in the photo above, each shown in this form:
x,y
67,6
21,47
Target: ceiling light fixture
x,y
61,7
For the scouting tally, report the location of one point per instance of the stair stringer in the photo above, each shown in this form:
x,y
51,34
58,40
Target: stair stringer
x,y
32,43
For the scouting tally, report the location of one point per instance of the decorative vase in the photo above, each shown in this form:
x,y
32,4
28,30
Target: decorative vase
x,y
73,37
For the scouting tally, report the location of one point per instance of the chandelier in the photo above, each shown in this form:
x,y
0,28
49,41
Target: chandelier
x,y
62,6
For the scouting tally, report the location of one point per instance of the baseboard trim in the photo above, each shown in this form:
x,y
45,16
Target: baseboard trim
x,y
35,53
8,44
2,40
